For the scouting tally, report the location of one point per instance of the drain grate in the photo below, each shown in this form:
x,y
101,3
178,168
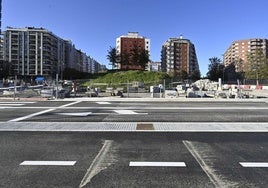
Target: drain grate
x,y
148,126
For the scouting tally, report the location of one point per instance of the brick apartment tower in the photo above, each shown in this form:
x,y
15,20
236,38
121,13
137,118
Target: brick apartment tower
x,y
179,54
238,51
125,44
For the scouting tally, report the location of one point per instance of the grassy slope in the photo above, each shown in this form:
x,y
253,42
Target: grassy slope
x,y
120,77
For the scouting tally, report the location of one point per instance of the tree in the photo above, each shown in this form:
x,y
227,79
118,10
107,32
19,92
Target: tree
x,y
144,59
113,57
181,75
215,69
4,69
195,75
256,65
139,57
135,56
124,60
231,74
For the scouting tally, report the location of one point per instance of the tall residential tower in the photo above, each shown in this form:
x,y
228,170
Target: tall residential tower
x,y
125,44
179,54
33,51
238,51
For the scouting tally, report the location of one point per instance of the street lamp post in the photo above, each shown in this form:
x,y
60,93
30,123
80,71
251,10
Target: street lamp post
x,y
223,69
257,81
15,88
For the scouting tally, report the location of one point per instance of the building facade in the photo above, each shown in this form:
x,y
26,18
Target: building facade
x,y
33,51
126,44
179,54
154,66
38,52
238,51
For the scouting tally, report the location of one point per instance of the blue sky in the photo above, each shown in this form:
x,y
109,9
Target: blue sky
x,y
94,25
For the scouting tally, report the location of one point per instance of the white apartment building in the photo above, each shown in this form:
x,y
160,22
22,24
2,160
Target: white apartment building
x,y
33,51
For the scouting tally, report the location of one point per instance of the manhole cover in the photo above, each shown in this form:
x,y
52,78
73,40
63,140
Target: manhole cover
x,y
145,126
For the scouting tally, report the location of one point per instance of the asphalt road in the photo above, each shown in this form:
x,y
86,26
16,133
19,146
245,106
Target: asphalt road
x,y
86,111
121,159
45,158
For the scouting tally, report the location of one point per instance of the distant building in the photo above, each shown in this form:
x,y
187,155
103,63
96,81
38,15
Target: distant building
x,y
238,51
38,52
179,54
154,66
33,51
125,44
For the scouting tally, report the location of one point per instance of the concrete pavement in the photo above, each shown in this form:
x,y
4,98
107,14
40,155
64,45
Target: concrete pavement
x,y
134,126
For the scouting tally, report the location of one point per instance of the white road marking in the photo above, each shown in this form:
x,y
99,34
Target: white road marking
x,y
158,164
103,102
69,104
146,108
81,114
31,115
99,163
254,164
18,102
11,104
216,180
42,112
48,163
125,112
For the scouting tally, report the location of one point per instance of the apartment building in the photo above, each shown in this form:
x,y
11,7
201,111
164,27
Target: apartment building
x,y
179,54
238,51
38,52
33,51
126,43
154,66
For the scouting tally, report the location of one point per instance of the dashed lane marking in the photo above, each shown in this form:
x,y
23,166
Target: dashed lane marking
x,y
4,105
48,163
125,112
11,104
254,164
128,112
17,102
157,164
103,102
81,114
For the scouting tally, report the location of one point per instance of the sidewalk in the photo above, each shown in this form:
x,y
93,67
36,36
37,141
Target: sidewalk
x,y
134,126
